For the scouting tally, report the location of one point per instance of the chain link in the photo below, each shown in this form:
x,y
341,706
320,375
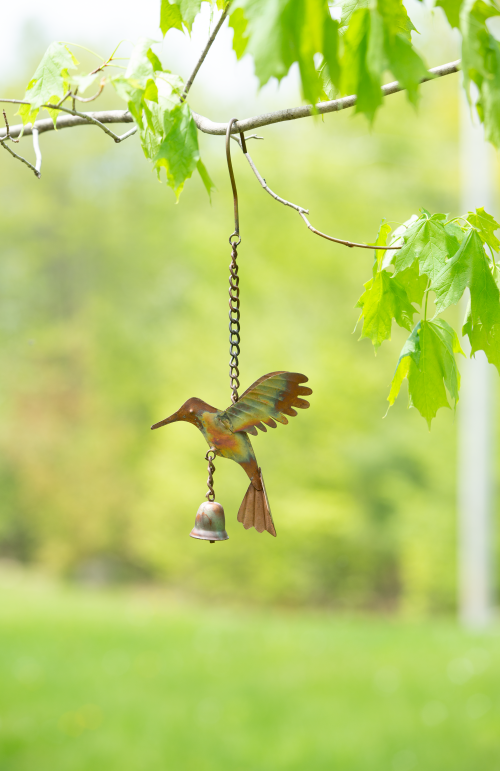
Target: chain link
x,y
234,321
210,457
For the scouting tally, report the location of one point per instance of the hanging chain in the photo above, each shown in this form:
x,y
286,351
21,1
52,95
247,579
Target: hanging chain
x,y
234,281
234,322
210,456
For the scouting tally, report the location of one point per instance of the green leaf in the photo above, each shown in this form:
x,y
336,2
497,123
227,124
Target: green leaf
x,y
170,17
483,338
384,300
142,64
481,64
428,242
205,177
408,279
347,10
155,62
239,24
178,152
282,32
153,132
413,283
381,240
379,38
179,13
455,230
428,362
50,81
482,323
138,85
452,10
83,81
486,225
469,268
360,76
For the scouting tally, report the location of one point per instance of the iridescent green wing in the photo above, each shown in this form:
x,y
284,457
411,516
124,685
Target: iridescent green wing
x,y
268,401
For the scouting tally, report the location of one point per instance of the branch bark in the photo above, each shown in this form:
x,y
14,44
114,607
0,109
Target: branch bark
x,y
209,127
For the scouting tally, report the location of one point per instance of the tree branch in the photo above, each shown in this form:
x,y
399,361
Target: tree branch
x,y
302,212
293,113
209,127
205,51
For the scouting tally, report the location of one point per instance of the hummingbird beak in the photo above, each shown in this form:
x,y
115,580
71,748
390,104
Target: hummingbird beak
x,y
172,419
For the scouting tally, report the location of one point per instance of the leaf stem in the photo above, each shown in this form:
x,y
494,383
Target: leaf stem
x,y
458,218
426,298
89,50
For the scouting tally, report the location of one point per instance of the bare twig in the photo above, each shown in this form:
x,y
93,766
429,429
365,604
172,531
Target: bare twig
x,y
303,212
19,157
204,53
90,98
209,127
126,135
87,117
68,94
238,140
38,154
7,129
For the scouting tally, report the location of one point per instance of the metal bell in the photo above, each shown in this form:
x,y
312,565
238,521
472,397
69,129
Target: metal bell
x,y
210,523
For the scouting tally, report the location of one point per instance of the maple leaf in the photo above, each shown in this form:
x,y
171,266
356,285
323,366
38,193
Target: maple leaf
x,y
486,226
384,299
469,267
430,243
427,360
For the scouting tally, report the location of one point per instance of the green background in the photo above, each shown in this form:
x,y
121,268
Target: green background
x,y
331,646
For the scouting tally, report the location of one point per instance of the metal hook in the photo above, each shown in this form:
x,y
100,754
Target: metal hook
x,y
231,176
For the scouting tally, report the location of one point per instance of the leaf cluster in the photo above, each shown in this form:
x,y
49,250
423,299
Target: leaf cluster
x,y
153,96
446,258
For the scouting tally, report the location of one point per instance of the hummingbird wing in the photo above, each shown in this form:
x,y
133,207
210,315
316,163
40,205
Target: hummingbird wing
x,y
267,401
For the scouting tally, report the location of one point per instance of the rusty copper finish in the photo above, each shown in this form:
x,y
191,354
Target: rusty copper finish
x,y
210,523
267,402
231,176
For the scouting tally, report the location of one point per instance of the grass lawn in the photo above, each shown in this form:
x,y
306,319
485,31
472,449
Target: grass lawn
x,y
139,682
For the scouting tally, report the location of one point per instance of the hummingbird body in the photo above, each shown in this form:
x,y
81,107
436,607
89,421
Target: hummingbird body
x,y
226,431
235,446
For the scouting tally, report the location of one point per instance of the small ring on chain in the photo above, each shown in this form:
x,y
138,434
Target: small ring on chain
x,y
235,243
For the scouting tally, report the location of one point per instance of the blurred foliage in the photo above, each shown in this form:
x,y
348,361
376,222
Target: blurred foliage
x,y
113,311
123,683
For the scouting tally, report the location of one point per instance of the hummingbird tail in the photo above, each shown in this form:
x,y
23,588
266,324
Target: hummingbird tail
x,y
255,511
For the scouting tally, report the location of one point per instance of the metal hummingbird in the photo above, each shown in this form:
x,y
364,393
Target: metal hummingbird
x,y
265,403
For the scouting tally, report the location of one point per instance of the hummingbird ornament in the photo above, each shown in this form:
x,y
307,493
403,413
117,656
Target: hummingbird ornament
x,y
267,402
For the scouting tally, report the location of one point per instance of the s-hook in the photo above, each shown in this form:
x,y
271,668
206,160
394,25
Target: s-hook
x,y
234,281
